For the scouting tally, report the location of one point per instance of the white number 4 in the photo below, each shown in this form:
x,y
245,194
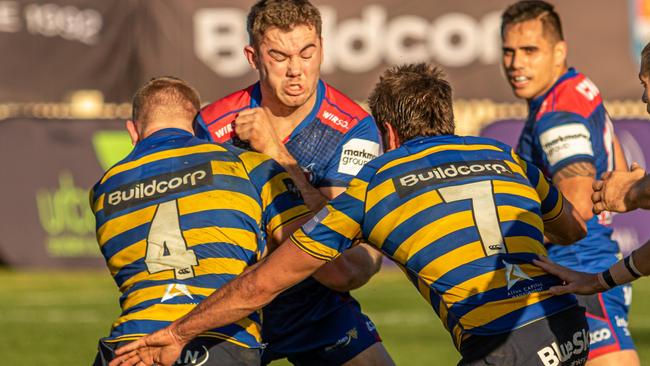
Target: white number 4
x,y
166,247
484,211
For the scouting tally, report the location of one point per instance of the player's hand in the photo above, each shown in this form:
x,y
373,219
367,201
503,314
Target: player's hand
x,y
253,126
574,282
160,348
611,193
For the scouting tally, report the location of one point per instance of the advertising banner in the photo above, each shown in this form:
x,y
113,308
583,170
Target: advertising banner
x,y
48,170
53,47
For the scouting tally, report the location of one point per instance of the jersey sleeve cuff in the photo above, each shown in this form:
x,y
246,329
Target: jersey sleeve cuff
x,y
315,249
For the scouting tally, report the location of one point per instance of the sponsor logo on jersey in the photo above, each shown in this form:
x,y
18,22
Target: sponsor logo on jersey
x,y
336,120
565,141
415,180
599,335
308,171
355,154
223,133
343,342
176,289
291,186
191,357
157,187
555,355
514,274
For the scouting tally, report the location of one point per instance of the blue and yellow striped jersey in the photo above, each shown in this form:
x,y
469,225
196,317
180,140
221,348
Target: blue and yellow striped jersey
x,y
463,217
178,218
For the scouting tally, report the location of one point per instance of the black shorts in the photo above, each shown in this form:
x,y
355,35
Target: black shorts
x,y
200,351
561,339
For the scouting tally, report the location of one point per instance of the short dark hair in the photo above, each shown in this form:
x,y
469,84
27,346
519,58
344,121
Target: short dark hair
x,y
282,14
534,9
165,92
415,99
645,60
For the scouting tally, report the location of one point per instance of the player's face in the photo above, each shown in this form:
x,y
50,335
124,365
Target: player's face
x,y
645,81
289,64
531,61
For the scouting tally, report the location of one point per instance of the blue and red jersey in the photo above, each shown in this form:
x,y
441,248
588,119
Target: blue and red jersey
x,y
331,145
569,124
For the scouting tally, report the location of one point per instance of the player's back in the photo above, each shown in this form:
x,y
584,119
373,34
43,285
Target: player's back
x,y
177,219
464,217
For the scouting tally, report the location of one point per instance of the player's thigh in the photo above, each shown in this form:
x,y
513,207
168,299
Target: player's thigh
x,y
201,351
627,357
375,355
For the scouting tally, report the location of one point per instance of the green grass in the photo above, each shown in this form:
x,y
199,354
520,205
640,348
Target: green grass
x,y
55,318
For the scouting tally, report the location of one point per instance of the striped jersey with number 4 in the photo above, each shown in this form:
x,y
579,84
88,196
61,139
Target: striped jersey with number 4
x,y
178,218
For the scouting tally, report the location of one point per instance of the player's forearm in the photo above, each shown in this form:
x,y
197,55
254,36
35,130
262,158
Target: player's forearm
x,y
233,302
626,270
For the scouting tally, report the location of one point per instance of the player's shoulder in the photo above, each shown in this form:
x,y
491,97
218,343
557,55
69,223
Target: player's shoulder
x,y
340,112
489,143
575,93
231,103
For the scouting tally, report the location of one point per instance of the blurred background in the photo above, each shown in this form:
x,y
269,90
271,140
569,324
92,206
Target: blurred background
x,y
68,69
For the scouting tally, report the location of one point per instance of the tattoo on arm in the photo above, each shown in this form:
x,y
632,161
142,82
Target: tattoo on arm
x,y
580,169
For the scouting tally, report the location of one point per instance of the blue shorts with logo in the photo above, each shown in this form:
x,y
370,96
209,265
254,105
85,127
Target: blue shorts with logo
x,y
346,333
608,322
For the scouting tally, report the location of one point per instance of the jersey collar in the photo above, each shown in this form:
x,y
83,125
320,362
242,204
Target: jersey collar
x,y
536,102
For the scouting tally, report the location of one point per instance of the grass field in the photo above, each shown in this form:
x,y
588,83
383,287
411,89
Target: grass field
x,y
55,318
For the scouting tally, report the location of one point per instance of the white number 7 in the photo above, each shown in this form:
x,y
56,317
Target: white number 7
x,y
484,211
166,247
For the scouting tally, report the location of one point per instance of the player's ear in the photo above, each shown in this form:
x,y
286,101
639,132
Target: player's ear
x,y
251,56
392,140
560,53
133,132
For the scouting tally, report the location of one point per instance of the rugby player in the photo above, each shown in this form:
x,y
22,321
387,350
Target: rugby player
x,y
322,138
179,217
570,137
620,192
463,216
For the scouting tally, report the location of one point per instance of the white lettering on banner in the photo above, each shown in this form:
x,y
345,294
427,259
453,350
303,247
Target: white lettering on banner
x,y
555,355
9,19
68,22
358,45
219,38
356,153
564,141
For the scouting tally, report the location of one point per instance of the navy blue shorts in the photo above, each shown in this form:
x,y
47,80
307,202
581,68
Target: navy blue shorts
x,y
347,332
607,317
200,351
